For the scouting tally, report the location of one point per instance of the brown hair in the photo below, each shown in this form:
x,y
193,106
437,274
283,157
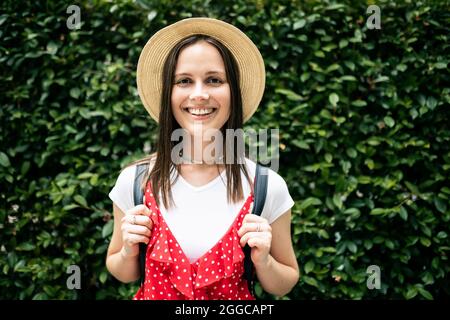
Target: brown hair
x,y
163,165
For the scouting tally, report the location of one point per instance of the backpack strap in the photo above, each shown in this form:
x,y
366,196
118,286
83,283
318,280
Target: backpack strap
x,y
260,192
138,196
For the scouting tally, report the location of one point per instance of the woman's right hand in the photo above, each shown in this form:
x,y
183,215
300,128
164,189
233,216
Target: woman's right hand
x,y
136,227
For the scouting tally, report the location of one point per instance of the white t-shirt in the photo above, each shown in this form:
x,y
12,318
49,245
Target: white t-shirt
x,y
202,215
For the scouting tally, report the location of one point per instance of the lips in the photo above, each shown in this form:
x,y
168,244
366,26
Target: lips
x,y
201,113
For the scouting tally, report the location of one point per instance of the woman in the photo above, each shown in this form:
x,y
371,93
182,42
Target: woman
x,y
200,75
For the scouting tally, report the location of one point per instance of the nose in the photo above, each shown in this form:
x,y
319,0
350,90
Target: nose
x,y
199,94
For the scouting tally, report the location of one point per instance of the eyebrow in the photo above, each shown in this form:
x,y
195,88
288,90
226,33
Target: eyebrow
x,y
208,73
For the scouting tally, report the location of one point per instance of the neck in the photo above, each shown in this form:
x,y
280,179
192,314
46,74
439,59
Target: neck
x,y
199,153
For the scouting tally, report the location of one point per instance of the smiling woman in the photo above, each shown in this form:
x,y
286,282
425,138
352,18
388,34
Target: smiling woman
x,y
197,75
201,91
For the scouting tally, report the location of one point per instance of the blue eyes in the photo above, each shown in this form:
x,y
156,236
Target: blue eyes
x,y
185,81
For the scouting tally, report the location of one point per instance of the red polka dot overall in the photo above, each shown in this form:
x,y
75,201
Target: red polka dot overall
x,y
217,275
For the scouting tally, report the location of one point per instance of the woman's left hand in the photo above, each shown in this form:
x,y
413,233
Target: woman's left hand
x,y
257,232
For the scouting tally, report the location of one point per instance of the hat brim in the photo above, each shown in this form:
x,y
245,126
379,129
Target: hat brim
x,y
154,54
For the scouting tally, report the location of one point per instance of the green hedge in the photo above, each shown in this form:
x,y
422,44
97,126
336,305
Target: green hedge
x,y
363,117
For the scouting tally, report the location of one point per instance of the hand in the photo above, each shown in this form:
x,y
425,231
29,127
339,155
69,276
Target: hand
x,y
136,227
257,233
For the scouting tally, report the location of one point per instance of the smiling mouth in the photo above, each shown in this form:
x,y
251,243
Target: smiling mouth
x,y
200,112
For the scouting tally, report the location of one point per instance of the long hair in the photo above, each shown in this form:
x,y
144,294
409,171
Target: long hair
x,y
160,173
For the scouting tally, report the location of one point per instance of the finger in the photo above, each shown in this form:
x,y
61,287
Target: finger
x,y
139,220
253,226
258,242
254,218
249,235
139,210
140,230
136,238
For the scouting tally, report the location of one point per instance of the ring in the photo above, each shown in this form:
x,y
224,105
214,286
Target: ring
x,y
134,220
258,228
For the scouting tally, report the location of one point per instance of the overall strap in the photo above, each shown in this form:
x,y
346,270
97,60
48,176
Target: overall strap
x,y
260,191
138,196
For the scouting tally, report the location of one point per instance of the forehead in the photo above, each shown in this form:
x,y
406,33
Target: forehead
x,y
199,55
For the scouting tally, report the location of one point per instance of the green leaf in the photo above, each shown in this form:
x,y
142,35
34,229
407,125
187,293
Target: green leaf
x,y
381,79
352,246
390,244
94,180
52,47
305,76
310,281
427,278
411,293
377,211
151,15
442,235
389,121
3,18
403,213
301,144
4,160
81,200
291,95
425,241
258,289
426,294
352,153
440,204
309,266
352,211
323,234
299,24
337,201
333,67
25,167
334,99
107,229
364,180
85,175
319,54
26,246
311,201
343,43
335,6
412,188
431,103
103,277
369,163
348,78
70,207
75,93
413,113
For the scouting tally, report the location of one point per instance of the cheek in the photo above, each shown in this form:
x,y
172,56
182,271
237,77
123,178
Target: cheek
x,y
174,98
224,97
175,102
226,104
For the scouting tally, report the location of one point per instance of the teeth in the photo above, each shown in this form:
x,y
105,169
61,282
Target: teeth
x,y
200,111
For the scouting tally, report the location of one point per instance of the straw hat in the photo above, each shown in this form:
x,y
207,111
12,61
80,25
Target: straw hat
x,y
156,50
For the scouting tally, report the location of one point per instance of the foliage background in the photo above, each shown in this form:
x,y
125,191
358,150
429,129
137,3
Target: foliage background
x,y
363,116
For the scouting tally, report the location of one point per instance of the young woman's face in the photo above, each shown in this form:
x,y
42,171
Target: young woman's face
x,y
201,93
